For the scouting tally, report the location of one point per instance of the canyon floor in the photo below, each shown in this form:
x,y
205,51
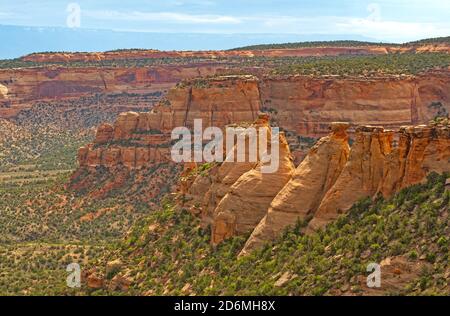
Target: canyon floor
x,y
85,174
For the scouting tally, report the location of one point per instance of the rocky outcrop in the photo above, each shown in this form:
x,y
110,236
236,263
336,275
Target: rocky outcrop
x,y
247,200
208,188
137,139
327,183
307,105
126,143
3,92
133,154
217,101
237,198
361,175
377,165
301,196
420,149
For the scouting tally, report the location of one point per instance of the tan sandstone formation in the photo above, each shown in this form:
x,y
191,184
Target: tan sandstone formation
x,y
247,200
225,175
421,149
203,192
361,175
331,178
375,166
301,196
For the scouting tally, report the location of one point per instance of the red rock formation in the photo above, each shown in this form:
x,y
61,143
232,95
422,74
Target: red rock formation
x,y
421,149
240,196
126,154
28,85
301,196
105,133
217,101
325,185
308,105
303,104
137,139
126,144
247,200
375,167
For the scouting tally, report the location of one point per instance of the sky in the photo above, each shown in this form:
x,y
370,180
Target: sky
x,y
382,20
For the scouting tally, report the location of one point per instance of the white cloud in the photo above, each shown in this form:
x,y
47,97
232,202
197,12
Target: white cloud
x,y
373,26
194,2
167,17
391,30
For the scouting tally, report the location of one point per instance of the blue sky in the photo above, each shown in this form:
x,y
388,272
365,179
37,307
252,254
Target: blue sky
x,y
384,20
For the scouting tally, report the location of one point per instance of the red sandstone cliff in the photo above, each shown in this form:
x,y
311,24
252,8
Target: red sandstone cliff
x,y
308,105
302,104
24,86
139,141
327,183
375,166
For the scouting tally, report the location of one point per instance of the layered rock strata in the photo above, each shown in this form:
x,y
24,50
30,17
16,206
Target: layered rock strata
x,y
308,105
376,166
137,139
292,52
331,178
302,104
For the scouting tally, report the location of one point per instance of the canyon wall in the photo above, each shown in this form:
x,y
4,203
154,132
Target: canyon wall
x,y
20,88
136,139
238,198
308,105
302,104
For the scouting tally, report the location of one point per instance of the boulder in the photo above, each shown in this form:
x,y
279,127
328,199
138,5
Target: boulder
x,y
105,133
